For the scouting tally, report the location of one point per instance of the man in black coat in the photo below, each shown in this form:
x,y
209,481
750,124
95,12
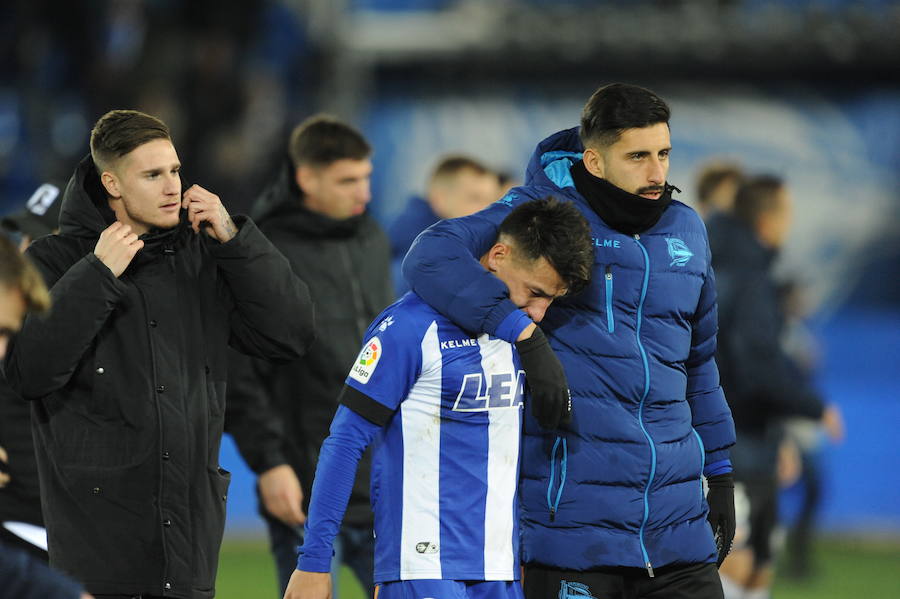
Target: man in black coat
x,y
20,497
21,290
127,372
315,213
758,381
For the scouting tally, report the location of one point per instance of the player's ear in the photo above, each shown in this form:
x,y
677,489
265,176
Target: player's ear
x,y
594,162
496,255
111,184
305,176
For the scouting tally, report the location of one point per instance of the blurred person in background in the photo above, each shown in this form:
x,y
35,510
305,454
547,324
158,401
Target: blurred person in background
x,y
717,182
39,216
802,350
505,182
458,186
127,371
761,388
20,498
21,291
612,503
315,212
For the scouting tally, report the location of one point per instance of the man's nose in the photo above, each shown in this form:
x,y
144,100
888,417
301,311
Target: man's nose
x,y
537,309
657,173
365,193
173,185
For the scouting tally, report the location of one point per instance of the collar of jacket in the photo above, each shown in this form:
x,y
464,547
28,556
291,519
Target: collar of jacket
x,y
281,207
623,211
85,213
166,241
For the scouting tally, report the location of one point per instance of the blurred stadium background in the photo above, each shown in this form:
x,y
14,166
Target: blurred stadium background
x,y
807,89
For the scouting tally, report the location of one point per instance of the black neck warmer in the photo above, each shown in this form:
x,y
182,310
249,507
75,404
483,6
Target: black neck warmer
x,y
625,212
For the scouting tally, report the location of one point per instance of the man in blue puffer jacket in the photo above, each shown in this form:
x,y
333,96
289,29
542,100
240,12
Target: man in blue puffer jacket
x,y
612,502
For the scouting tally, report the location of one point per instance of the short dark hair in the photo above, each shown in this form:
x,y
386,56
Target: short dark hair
x,y
452,165
118,132
757,196
17,272
713,175
556,231
616,107
323,139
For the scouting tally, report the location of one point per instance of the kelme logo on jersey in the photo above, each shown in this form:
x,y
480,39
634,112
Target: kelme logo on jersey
x,y
426,547
678,251
366,361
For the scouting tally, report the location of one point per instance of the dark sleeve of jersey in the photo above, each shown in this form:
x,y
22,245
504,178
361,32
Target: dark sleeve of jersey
x,y
365,406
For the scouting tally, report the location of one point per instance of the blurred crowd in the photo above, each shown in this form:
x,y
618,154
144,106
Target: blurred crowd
x,y
225,89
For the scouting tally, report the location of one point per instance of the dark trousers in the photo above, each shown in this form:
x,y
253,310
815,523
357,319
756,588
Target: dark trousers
x,y
20,543
799,542
687,581
355,547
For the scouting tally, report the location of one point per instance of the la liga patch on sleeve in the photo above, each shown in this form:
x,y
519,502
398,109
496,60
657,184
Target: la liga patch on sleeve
x,y
366,361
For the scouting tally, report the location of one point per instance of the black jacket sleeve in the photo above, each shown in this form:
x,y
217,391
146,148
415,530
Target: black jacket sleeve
x,y
759,366
250,416
26,578
272,311
46,352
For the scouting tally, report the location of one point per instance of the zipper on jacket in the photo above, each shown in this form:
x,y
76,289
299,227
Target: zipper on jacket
x,y
161,437
554,505
702,461
610,321
640,345
361,321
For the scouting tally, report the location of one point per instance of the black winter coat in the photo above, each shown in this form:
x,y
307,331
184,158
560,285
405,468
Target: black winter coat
x,y
20,500
281,413
756,376
128,377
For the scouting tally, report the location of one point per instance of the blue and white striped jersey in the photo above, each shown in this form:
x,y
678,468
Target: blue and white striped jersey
x,y
445,465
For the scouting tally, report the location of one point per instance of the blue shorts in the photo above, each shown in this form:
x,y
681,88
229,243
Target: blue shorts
x,y
450,589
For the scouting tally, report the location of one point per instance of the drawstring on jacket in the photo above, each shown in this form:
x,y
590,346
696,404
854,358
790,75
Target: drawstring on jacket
x,y
554,506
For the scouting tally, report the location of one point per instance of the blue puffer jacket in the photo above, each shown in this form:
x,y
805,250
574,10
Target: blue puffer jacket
x,y
622,485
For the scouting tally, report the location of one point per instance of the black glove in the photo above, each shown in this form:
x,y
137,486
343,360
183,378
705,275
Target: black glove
x,y
721,512
551,403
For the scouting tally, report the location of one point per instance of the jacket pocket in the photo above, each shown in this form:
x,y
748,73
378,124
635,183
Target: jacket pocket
x,y
610,320
215,420
560,445
702,460
210,519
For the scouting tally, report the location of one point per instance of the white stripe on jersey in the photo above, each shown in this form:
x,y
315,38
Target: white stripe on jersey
x,y
421,418
502,470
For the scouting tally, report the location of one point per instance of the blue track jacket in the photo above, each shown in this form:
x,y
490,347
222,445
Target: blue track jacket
x,y
621,486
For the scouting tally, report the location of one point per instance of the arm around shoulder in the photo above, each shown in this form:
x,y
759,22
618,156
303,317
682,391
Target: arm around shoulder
x,y
447,253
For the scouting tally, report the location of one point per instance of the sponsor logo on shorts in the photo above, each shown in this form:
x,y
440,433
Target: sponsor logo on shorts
x,y
426,547
574,590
